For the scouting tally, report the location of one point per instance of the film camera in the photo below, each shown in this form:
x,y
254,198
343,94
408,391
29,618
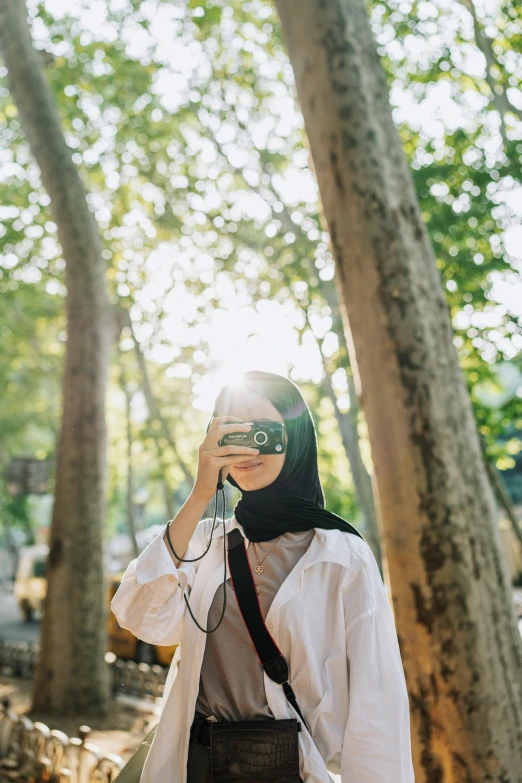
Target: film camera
x,y
267,436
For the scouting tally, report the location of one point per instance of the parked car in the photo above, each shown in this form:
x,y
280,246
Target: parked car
x,y
30,584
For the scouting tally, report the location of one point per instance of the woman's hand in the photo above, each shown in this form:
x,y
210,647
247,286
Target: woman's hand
x,y
213,458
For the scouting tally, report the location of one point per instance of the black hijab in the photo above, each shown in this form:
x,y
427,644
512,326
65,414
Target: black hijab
x,y
294,502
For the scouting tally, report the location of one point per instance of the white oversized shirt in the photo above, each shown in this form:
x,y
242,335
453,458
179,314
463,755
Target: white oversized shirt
x,y
332,621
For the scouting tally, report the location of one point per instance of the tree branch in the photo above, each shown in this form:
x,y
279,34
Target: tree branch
x,y
150,399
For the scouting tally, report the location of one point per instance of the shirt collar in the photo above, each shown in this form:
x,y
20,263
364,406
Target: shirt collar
x,y
328,546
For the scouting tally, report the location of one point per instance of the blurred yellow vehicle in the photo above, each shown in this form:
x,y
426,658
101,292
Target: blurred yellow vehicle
x,y
125,645
30,584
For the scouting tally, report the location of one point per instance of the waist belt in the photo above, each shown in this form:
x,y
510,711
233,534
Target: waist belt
x,y
200,731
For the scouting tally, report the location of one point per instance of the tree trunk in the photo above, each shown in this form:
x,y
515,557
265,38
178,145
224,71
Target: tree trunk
x,y
349,430
11,548
502,494
131,517
499,96
454,613
122,318
362,481
153,407
72,674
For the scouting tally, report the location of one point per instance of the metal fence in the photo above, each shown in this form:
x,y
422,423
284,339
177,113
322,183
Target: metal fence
x,y
137,679
33,752
18,658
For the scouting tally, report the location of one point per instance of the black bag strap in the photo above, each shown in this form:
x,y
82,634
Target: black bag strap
x,y
272,660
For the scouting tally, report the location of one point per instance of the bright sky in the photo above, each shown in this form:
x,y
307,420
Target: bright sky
x,y
242,337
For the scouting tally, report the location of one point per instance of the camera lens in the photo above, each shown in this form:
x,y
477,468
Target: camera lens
x,y
260,438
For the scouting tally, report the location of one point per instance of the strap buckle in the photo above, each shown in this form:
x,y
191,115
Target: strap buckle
x,y
277,669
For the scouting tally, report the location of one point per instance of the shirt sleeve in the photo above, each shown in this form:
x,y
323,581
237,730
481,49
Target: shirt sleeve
x,y
376,743
150,599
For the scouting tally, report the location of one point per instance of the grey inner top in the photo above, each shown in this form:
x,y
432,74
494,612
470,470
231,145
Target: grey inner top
x,y
231,685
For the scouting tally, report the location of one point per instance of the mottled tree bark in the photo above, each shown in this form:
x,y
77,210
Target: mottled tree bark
x,y
453,607
72,674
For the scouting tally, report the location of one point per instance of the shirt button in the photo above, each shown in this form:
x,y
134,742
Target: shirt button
x,y
154,610
271,626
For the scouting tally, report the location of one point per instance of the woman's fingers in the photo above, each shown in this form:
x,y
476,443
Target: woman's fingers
x,y
217,420
212,457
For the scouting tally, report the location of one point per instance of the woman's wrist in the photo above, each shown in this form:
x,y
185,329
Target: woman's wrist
x,y
197,498
180,530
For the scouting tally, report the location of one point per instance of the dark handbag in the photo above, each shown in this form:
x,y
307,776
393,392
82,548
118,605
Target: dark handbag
x,y
253,751
257,751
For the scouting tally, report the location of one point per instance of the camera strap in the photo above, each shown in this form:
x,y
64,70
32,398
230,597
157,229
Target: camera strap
x,y
271,657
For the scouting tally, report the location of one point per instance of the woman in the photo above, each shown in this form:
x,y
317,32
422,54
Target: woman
x,y
320,593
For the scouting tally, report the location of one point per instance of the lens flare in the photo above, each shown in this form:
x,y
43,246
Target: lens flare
x,y
236,380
